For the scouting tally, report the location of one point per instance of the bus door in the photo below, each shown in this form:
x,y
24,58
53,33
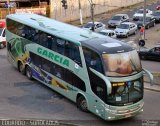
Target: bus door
x,y
98,86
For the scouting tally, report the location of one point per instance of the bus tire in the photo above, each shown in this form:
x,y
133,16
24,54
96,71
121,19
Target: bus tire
x,y
82,104
20,68
29,73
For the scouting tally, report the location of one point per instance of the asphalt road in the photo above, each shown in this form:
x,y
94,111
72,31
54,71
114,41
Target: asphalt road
x,y
21,98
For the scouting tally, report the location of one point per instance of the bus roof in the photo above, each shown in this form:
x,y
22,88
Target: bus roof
x,y
59,29
110,46
71,33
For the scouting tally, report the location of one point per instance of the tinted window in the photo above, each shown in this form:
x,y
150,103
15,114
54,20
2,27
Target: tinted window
x,y
49,41
72,51
75,80
93,60
57,71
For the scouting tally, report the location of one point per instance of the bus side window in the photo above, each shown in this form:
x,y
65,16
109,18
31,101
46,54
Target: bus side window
x,y
93,60
98,85
46,65
74,80
60,46
57,70
54,45
49,42
43,37
72,52
12,25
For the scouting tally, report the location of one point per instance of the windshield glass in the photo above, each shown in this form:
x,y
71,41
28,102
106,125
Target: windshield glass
x,y
118,18
156,13
88,25
123,26
124,93
140,11
1,31
147,19
122,64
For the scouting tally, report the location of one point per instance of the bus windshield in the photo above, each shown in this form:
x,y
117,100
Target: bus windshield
x,y
124,93
122,64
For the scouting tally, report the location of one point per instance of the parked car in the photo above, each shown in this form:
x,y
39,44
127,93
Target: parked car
x,y
150,54
117,20
156,16
107,32
98,26
149,22
2,38
138,14
158,7
125,29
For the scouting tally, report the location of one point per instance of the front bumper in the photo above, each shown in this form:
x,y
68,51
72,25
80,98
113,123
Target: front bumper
x,y
121,34
116,113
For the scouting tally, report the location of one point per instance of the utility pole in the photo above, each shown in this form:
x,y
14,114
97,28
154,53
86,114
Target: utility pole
x,y
144,18
92,13
8,6
80,13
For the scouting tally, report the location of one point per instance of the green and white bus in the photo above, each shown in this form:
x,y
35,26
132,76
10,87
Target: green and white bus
x,y
100,74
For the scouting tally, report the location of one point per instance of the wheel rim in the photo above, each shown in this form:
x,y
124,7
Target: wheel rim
x,y
28,73
83,104
1,45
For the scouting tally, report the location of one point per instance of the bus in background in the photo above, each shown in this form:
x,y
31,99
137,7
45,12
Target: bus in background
x,y
2,34
100,74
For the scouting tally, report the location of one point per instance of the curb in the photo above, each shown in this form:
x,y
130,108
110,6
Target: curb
x,y
156,86
156,78
151,89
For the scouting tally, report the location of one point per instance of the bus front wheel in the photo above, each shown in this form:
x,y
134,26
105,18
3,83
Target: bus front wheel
x,y
21,68
82,103
29,73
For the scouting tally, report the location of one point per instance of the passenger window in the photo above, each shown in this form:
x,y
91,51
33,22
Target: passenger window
x,y
33,35
93,60
43,37
60,46
72,52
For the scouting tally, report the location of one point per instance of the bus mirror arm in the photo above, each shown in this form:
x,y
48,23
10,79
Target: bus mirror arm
x,y
149,75
108,83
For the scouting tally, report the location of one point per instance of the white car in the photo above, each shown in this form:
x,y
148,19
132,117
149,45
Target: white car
x,y
125,29
98,26
107,32
2,38
140,13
